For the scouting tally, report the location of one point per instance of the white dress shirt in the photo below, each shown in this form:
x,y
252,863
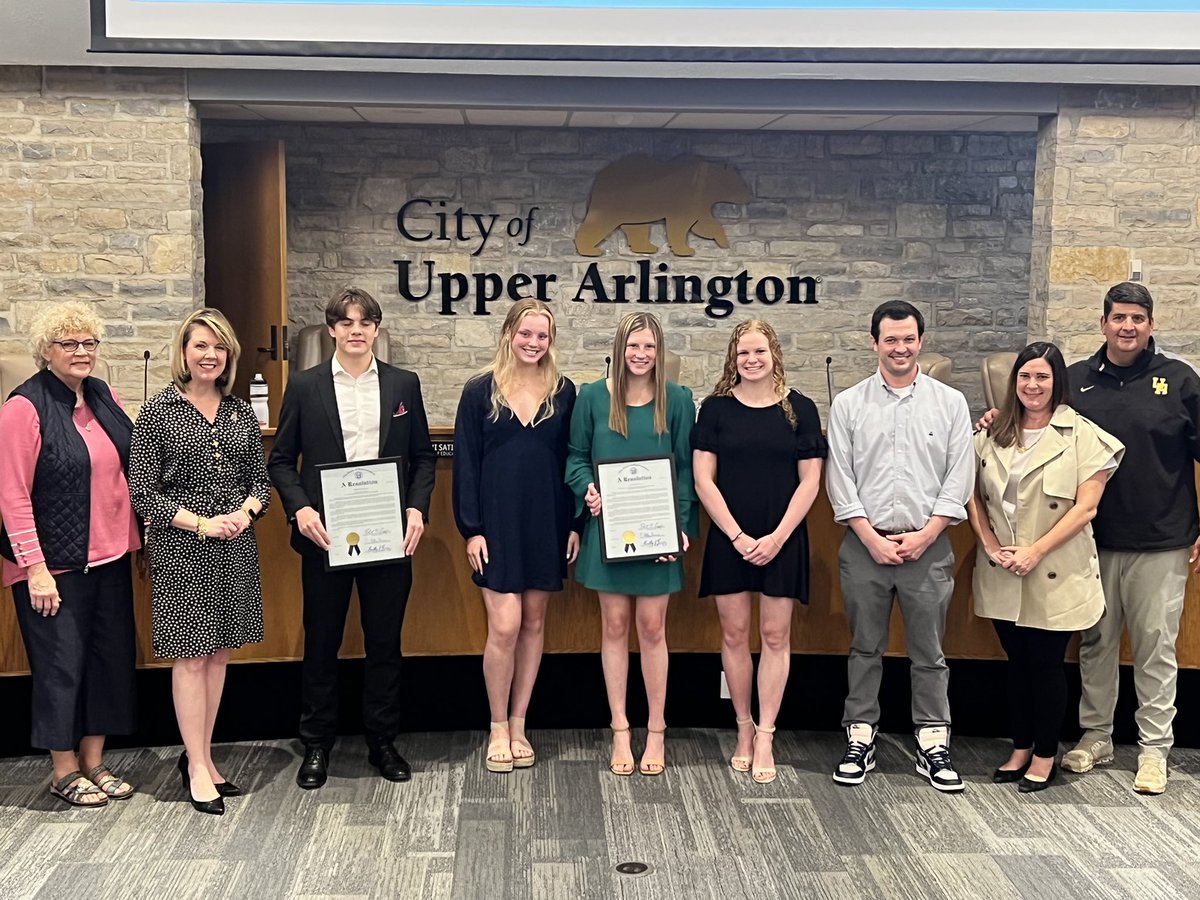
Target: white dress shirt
x,y
358,409
899,458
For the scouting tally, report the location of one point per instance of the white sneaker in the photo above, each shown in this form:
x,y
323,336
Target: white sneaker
x,y
859,758
933,758
1092,750
1151,775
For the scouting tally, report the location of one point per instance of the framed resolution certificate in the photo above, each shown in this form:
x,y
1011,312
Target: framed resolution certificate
x,y
639,518
364,512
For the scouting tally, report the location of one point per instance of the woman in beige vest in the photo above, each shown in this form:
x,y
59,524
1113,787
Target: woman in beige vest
x,y
1041,473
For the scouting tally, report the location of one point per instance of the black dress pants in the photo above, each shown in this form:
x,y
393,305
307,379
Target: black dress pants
x,y
82,659
1037,685
382,596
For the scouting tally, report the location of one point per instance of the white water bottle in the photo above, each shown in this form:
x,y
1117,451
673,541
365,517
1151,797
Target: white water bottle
x,y
258,399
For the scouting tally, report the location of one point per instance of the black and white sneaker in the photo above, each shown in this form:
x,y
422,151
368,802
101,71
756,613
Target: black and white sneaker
x,y
933,758
859,758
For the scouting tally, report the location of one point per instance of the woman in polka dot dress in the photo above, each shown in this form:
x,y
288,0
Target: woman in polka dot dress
x,y
197,474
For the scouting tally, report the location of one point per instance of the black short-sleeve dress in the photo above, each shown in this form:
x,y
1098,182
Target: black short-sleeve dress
x,y
757,473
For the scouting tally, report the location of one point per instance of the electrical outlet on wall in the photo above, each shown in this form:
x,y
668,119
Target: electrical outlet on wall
x,y
724,686
1135,270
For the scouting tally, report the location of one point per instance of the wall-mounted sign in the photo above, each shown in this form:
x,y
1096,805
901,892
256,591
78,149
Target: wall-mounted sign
x,y
630,195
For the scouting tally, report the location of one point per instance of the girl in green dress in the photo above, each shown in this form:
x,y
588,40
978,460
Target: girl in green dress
x,y
650,416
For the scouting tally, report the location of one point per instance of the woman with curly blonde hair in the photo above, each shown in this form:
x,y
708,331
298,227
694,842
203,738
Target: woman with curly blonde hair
x,y
68,532
757,451
514,509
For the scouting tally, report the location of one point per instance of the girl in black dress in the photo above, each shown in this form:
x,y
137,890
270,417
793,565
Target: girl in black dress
x,y
757,451
514,509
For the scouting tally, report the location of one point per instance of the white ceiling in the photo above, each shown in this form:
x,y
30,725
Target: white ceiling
x,y
782,120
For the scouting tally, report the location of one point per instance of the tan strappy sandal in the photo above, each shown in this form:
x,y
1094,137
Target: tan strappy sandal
x,y
763,774
654,766
620,766
742,763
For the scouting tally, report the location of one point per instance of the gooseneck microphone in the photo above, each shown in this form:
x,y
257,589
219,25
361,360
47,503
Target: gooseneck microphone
x,y
607,365
145,375
829,378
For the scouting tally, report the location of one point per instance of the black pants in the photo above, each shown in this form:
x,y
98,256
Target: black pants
x,y
382,596
1037,685
82,659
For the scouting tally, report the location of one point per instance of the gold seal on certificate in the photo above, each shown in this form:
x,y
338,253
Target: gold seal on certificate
x,y
639,516
364,512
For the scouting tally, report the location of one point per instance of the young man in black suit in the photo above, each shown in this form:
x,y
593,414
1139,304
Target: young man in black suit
x,y
352,407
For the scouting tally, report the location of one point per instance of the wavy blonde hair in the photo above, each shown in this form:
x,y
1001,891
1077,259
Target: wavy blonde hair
x,y
730,377
53,322
215,321
618,419
503,365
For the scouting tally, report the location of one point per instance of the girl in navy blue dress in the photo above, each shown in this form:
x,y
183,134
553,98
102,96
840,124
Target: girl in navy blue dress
x,y
757,464
514,509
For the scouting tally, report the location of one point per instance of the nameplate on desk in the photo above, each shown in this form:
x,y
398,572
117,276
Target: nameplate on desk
x,y
444,449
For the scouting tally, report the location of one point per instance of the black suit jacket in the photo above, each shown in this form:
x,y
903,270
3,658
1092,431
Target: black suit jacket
x,y
310,433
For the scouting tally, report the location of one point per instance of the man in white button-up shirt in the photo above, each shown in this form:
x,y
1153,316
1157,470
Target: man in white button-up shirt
x,y
901,468
351,408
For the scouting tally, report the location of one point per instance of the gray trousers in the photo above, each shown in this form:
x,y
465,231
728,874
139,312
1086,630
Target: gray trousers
x,y
924,589
1144,593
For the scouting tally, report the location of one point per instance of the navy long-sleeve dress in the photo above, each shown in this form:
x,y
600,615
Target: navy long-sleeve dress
x,y
508,487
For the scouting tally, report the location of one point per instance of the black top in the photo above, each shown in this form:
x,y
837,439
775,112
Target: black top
x,y
757,473
1153,408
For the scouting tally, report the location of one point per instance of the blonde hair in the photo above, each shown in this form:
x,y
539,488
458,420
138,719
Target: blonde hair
x,y
618,420
53,322
214,321
504,364
730,377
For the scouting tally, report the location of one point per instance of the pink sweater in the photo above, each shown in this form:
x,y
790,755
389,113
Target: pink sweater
x,y
113,530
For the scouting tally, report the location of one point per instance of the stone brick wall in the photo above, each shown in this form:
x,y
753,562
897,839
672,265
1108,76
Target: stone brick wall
x,y
1117,181
100,201
941,220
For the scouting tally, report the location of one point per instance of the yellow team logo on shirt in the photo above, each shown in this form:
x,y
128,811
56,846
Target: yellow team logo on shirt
x,y
1160,386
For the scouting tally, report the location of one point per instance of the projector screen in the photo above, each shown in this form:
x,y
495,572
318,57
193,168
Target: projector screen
x,y
1038,30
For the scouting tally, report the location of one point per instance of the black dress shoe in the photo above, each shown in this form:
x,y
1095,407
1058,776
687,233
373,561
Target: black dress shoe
x,y
224,789
391,765
214,807
228,789
314,770
1008,776
1027,786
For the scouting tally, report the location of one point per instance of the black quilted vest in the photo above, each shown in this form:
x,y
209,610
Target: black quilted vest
x,y
62,480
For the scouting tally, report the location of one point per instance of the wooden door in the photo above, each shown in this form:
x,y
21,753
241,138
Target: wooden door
x,y
245,250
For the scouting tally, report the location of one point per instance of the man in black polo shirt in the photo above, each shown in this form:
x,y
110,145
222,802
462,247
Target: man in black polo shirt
x,y
1147,530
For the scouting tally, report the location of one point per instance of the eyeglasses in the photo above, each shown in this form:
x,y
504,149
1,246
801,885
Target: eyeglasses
x,y
71,346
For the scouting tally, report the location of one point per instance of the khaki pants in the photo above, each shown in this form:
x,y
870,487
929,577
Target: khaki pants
x,y
1144,593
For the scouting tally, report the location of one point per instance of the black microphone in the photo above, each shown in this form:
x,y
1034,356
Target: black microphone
x,y
145,375
829,378
607,365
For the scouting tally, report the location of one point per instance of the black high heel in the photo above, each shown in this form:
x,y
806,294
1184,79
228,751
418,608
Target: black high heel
x,y
214,807
224,789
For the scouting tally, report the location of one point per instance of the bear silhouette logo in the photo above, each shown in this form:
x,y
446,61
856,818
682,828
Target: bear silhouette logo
x,y
633,193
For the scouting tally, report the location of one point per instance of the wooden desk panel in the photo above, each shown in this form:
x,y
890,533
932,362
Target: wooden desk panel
x,y
446,615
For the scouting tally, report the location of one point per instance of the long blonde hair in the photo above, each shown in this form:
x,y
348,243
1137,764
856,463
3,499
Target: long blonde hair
x,y
504,364
618,420
730,377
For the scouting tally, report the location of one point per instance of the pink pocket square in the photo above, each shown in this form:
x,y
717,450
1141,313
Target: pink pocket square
x,y
401,410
